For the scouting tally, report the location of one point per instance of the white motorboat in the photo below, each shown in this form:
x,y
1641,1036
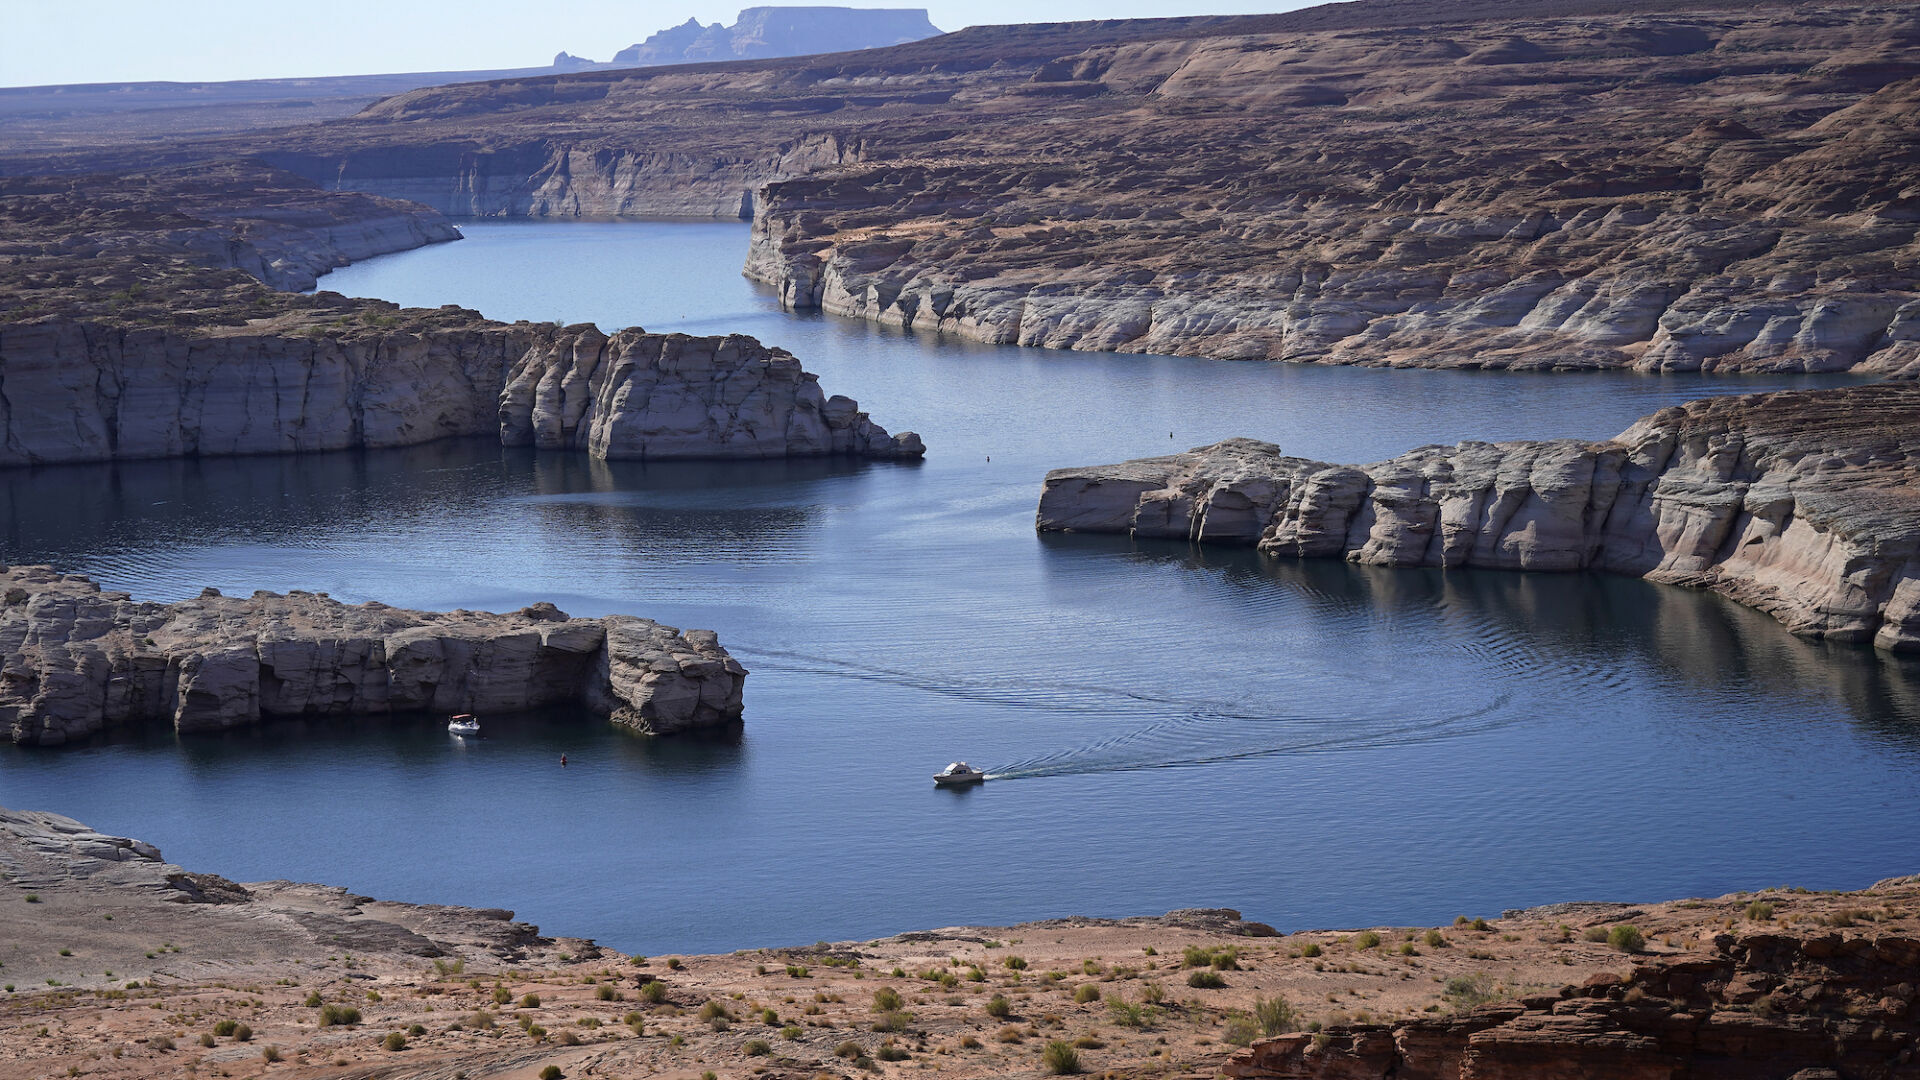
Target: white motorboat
x,y
958,773
464,724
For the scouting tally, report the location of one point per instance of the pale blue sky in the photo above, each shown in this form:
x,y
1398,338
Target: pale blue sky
x,y
61,41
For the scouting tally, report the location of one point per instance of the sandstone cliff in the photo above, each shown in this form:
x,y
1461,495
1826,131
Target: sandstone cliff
x,y
134,324
1805,505
781,31
1761,1007
77,660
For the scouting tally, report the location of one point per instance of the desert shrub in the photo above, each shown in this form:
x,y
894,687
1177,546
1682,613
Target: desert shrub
x,y
1129,1014
791,1032
394,1041
1060,1058
159,1042
892,1052
1086,992
1759,911
713,1010
530,1001
1627,938
968,1042
1310,949
606,993
674,963
1206,980
893,1021
1467,991
1241,1029
1010,1034
338,1015
1088,1042
1481,925
270,1053
1436,940
445,967
501,995
849,1050
1365,939
536,1033
1275,1015
999,1007
886,999
1152,993
483,1020
551,1072
414,1031
206,1038
313,1000
654,992
795,971
756,1048
1226,960
1014,963
1594,934
225,1028
242,1033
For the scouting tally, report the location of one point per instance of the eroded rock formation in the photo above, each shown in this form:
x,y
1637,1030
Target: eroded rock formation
x,y
1805,505
75,660
133,324
1761,1007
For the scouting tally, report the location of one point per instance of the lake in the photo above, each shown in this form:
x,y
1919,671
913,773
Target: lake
x,y
1318,744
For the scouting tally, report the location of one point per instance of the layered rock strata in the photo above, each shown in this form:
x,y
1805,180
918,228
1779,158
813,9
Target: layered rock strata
x,y
75,661
134,324
1805,505
1760,1007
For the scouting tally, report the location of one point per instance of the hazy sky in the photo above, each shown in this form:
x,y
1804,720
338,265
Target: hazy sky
x,y
61,41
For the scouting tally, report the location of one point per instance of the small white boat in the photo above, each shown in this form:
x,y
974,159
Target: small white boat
x,y
464,724
958,773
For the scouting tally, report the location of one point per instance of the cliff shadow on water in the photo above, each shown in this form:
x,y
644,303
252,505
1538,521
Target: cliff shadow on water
x,y
1528,638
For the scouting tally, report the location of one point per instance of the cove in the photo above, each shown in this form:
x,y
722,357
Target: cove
x,y
1317,744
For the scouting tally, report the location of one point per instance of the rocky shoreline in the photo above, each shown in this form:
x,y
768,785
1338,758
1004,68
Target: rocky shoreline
x,y
1805,505
75,661
136,321
118,964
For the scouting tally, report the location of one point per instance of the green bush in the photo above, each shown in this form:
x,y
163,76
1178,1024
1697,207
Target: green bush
x,y
654,992
1014,963
1086,992
225,1028
242,1033
1152,993
1759,911
795,971
999,1007
886,999
501,995
1310,949
1226,960
756,1048
313,1000
339,1015
606,993
531,1001
1627,938
1241,1030
270,1053
1595,933
713,1010
1466,991
1365,939
849,1050
394,1041
892,1052
1060,1058
1436,940
1206,980
551,1072
1275,1015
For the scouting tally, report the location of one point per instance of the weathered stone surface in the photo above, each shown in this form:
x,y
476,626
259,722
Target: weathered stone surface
x,y
133,325
75,660
1805,505
1761,1007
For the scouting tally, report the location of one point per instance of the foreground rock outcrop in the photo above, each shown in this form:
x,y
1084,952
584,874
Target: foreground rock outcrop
x,y
120,963
134,324
1759,1007
75,661
1805,505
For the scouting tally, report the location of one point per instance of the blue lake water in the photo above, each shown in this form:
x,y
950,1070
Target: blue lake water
x,y
1317,744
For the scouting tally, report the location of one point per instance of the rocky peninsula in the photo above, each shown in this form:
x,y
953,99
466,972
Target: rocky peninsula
x,y
75,660
119,964
148,316
1805,505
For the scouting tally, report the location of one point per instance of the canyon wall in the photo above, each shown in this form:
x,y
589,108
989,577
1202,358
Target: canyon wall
x,y
80,390
1805,505
75,661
